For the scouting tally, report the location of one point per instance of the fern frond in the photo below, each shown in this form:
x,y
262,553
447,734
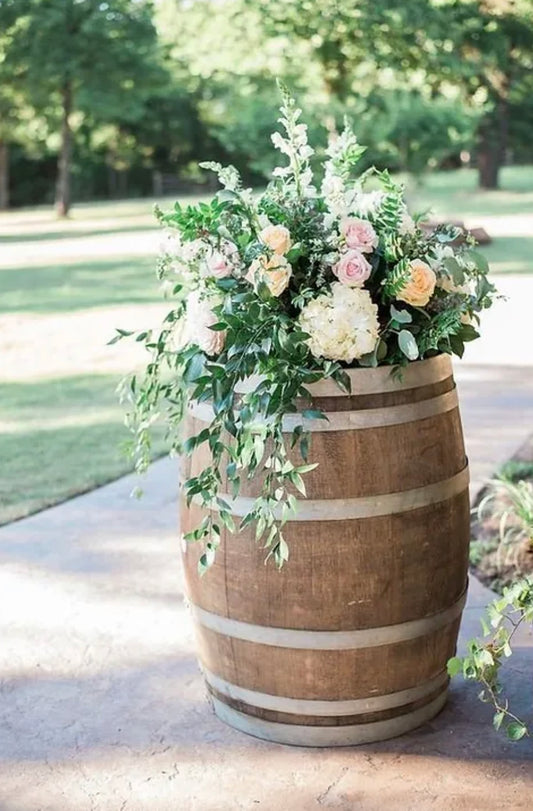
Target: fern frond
x,y
397,278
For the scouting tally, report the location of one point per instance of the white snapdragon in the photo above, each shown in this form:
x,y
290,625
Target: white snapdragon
x,y
342,325
367,203
294,144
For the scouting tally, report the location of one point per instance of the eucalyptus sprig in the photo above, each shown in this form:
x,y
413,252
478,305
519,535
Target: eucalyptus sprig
x,y
276,291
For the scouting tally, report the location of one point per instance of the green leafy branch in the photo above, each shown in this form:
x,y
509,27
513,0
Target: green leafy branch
x,y
485,657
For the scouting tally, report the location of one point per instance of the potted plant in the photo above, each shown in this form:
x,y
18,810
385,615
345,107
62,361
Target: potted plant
x,y
304,374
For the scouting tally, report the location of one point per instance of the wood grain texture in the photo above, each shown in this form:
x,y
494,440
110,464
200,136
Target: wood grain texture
x,y
345,575
370,564
370,461
332,675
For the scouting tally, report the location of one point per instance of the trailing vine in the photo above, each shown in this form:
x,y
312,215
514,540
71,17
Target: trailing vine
x,y
273,293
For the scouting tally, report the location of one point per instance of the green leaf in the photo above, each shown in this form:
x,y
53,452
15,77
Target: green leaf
x,y
407,344
516,730
455,270
313,414
468,333
121,333
194,368
479,260
226,284
298,482
306,468
498,720
400,316
282,551
189,445
454,666
484,658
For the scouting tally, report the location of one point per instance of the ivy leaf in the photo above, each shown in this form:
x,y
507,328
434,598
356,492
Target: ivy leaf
x,y
407,344
454,666
515,731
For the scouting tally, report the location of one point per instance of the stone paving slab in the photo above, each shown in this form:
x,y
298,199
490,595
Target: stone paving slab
x,y
102,707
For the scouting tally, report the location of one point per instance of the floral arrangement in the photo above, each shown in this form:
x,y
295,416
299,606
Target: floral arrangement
x,y
291,286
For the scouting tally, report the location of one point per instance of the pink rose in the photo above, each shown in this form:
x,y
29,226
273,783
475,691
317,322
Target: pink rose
x,y
218,265
352,269
359,234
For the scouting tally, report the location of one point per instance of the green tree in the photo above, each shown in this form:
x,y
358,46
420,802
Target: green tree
x,y
484,47
82,57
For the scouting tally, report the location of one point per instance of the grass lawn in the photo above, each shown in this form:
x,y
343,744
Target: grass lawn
x,y
64,286
506,214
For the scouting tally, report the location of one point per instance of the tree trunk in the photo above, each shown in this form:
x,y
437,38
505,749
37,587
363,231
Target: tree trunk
x,y
4,176
488,165
63,165
492,145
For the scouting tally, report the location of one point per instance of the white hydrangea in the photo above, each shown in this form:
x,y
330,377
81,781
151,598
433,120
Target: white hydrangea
x,y
198,320
342,325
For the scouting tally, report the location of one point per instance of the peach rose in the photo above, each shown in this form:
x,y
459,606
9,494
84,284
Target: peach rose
x,y
277,238
352,269
359,234
418,290
275,272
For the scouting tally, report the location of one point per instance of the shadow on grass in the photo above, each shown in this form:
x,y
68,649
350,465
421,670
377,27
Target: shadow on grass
x,y
510,254
61,437
75,233
77,285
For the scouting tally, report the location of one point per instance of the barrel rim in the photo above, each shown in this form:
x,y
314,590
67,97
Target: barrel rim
x,y
299,735
367,380
355,419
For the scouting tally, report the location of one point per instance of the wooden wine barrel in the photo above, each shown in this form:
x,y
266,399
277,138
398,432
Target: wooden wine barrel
x,y
348,643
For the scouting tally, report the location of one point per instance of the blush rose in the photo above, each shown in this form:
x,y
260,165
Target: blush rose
x,y
359,234
352,269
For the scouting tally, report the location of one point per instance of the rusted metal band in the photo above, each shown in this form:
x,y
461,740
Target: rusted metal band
x,y
299,706
300,735
328,640
358,419
345,509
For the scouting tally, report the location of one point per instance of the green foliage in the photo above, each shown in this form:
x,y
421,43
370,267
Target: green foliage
x,y
511,504
53,45
173,81
251,278
485,657
516,469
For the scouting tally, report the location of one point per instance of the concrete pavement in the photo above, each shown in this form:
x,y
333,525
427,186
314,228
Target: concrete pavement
x,y
102,707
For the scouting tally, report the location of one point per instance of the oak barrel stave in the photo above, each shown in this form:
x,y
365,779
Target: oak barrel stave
x,y
381,571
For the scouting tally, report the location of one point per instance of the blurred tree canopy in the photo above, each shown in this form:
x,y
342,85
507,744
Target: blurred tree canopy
x,y
119,92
